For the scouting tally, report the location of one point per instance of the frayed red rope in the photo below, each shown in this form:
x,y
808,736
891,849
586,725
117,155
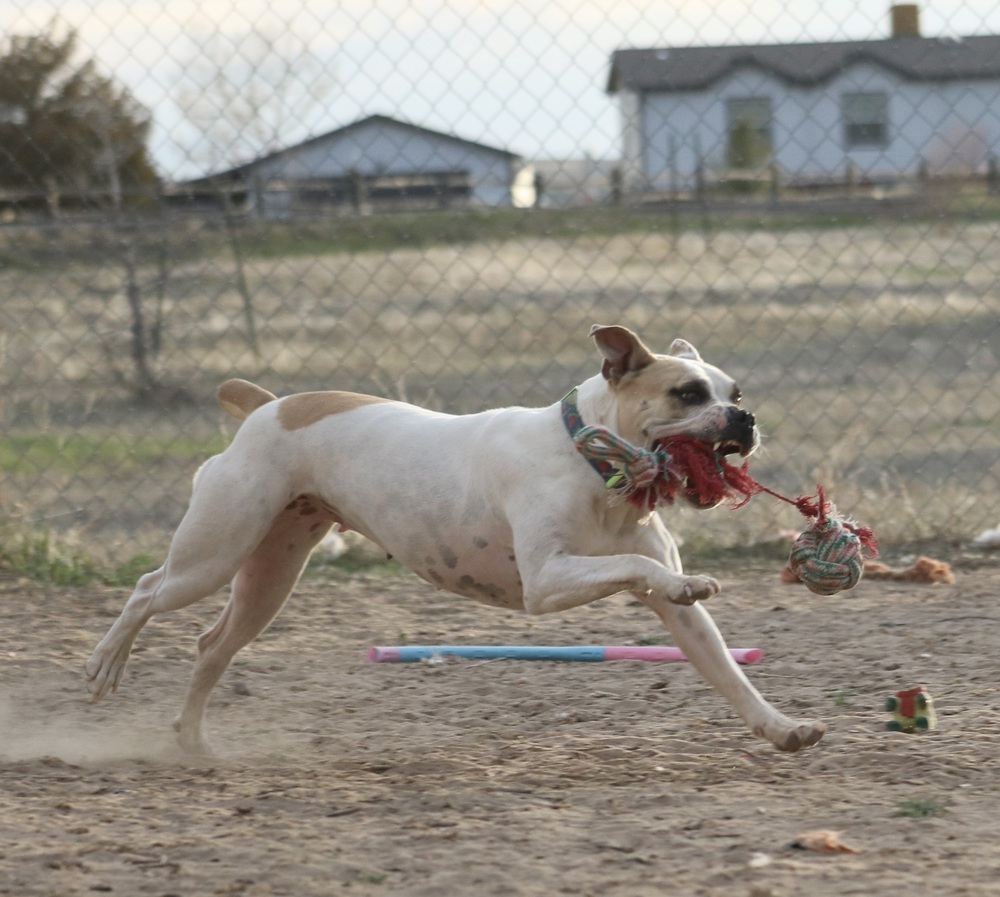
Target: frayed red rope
x,y
693,467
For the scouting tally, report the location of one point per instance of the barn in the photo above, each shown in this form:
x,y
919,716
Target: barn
x,y
882,110
375,162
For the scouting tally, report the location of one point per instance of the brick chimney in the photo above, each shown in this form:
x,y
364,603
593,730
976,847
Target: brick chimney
x,y
905,20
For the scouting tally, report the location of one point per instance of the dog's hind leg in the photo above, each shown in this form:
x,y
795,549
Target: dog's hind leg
x,y
215,537
259,590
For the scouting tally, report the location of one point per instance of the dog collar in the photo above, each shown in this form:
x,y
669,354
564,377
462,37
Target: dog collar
x,y
639,476
574,424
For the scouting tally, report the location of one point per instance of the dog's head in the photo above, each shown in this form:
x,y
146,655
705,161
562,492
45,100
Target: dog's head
x,y
656,396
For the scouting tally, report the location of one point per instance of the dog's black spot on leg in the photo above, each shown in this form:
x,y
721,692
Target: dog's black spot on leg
x,y
480,542
495,593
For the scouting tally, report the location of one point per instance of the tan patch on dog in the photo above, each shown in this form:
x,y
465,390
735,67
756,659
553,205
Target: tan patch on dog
x,y
646,394
306,408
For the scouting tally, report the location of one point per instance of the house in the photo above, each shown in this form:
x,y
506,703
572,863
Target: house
x,y
885,110
375,162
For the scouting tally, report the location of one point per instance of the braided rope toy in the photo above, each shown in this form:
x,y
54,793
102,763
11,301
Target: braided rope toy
x,y
828,556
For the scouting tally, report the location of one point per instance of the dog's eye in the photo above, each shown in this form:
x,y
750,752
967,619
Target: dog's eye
x,y
691,393
736,396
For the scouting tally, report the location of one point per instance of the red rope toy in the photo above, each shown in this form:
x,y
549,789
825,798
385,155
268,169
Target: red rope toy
x,y
828,556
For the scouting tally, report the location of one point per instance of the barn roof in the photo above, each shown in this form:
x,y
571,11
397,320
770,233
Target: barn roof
x,y
805,65
399,123
241,170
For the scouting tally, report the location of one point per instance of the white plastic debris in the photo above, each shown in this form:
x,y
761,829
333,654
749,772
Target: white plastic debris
x,y
988,539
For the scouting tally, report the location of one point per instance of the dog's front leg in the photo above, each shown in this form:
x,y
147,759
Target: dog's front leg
x,y
566,580
556,577
696,634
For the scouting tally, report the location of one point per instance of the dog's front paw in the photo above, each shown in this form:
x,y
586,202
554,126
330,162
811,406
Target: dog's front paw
x,y
104,670
694,588
794,737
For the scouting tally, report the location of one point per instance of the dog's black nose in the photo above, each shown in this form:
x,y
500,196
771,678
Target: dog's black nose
x,y
741,429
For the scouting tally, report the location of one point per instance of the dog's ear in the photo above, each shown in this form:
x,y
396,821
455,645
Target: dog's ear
x,y
681,348
623,351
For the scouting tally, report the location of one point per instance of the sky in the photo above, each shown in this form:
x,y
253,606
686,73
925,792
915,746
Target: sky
x,y
525,75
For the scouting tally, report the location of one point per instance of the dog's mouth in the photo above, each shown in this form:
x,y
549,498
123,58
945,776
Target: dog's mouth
x,y
696,496
728,430
721,448
724,447
732,447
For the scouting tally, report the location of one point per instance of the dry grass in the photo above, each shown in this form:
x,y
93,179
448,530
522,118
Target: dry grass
x,y
871,354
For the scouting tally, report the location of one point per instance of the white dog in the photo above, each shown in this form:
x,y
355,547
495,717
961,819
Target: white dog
x,y
498,506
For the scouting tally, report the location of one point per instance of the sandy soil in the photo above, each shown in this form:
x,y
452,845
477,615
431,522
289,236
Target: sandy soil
x,y
335,775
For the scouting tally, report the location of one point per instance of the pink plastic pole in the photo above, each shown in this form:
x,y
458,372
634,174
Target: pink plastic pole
x,y
670,653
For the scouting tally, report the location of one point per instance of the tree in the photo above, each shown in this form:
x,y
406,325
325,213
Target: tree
x,y
67,129
246,95
64,126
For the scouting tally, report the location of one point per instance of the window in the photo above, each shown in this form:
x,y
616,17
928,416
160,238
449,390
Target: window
x,y
866,119
748,124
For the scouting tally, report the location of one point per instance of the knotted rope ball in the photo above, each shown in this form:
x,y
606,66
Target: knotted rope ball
x,y
828,556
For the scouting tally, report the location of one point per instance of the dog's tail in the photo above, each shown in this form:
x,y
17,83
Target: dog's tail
x,y
240,397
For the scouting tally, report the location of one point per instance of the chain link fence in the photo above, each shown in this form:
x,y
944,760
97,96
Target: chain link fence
x,y
434,201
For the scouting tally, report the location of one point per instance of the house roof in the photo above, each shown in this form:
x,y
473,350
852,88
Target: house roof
x,y
805,65
346,129
387,120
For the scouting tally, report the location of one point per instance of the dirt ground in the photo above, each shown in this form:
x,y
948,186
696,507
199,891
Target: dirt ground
x,y
488,778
